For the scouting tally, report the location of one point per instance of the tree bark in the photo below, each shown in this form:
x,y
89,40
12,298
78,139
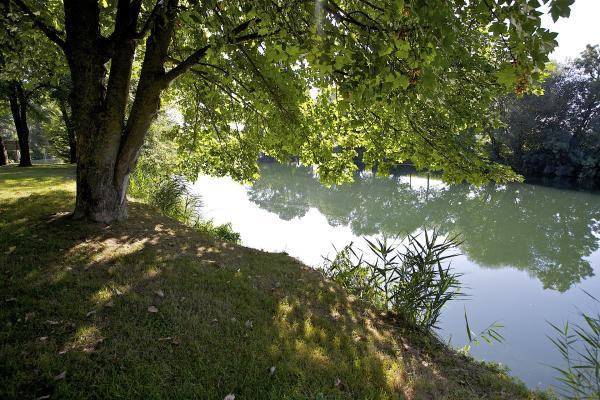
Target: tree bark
x,y
18,107
108,143
3,153
98,197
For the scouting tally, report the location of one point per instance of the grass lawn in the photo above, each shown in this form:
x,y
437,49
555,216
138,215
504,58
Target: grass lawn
x,y
152,309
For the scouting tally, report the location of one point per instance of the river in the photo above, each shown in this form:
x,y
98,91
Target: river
x,y
528,251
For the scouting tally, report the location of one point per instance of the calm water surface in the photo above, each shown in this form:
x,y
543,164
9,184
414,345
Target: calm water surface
x,y
528,250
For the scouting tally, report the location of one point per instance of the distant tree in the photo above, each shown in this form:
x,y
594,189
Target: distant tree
x,y
28,67
64,138
557,134
3,153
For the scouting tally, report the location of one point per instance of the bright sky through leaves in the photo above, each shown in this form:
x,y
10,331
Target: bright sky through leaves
x,y
581,28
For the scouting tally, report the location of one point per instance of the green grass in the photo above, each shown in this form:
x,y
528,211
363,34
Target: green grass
x,y
74,319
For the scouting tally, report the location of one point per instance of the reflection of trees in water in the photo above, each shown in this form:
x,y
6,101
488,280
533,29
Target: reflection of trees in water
x,y
545,231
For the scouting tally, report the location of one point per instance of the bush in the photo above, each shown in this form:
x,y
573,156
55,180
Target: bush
x,y
408,280
155,182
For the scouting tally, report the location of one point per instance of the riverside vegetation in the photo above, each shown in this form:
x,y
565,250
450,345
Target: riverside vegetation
x,y
153,308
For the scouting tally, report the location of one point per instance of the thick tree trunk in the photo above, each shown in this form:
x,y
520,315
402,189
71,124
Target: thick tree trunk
x,y
3,153
108,143
98,198
18,107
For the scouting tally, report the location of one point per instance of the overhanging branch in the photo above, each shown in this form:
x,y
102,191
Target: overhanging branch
x,y
186,64
51,33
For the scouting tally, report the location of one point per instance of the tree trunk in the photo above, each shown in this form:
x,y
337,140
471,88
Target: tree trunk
x,y
70,131
108,143
18,107
3,153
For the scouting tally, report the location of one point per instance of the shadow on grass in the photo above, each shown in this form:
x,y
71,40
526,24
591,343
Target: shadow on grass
x,y
152,309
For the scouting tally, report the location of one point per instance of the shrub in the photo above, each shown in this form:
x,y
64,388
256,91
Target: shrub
x,y
413,280
155,182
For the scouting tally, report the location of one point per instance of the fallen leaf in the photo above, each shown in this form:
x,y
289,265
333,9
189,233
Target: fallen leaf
x,y
230,396
249,324
43,338
43,397
60,376
272,370
214,321
162,339
159,293
152,309
51,322
90,313
11,299
110,304
176,341
10,250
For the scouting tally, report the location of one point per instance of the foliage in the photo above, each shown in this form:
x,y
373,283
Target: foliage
x,y
490,334
557,134
579,345
410,282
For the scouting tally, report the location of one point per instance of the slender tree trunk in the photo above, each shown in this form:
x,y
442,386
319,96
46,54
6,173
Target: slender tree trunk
x,y
70,131
18,107
3,153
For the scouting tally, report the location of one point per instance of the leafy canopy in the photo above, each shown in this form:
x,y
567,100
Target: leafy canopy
x,y
402,80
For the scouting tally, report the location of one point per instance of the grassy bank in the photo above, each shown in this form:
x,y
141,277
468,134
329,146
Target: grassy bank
x,y
150,308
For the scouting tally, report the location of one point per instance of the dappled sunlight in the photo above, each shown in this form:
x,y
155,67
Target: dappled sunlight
x,y
106,251
85,339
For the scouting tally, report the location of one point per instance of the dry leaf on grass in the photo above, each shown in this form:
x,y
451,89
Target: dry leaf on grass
x,y
152,309
159,293
60,376
230,396
10,250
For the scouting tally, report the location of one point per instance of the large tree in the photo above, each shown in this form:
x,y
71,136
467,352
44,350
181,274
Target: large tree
x,y
400,79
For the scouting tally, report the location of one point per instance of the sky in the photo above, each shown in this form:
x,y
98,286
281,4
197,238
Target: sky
x,y
581,28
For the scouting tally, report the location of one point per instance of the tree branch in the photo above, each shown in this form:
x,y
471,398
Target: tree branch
x,y
51,33
186,64
148,24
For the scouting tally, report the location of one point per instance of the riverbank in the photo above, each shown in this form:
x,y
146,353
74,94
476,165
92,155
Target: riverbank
x,y
150,308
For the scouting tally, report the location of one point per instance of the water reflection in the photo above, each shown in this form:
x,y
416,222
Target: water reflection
x,y
547,232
